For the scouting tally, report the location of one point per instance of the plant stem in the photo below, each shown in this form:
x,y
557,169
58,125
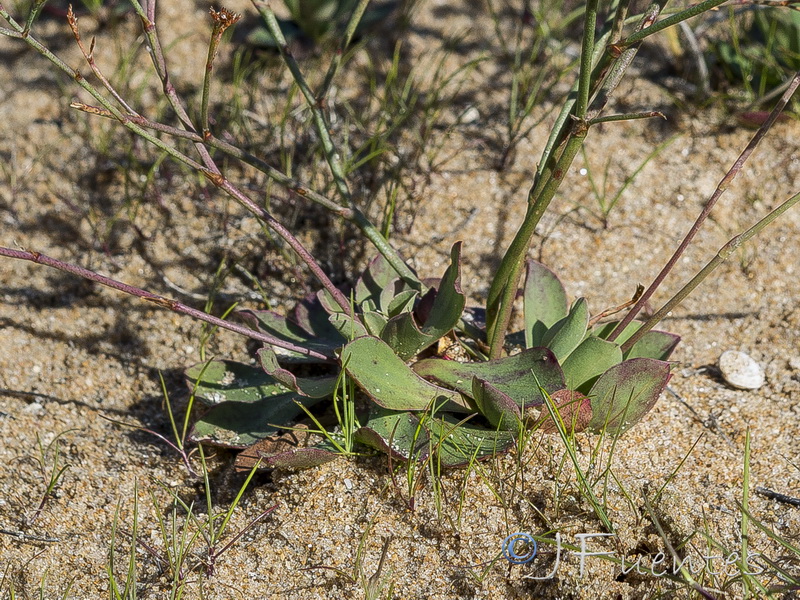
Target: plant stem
x,y
500,301
329,149
222,20
721,187
331,154
168,303
683,15
336,62
721,256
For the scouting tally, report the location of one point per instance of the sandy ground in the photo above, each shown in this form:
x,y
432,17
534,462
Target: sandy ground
x,y
71,352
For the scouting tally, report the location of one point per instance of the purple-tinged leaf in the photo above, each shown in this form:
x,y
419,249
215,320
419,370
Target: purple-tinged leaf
x,y
313,387
518,376
574,410
626,392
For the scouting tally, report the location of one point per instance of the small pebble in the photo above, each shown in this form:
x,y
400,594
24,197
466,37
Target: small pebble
x,y
741,371
348,484
470,116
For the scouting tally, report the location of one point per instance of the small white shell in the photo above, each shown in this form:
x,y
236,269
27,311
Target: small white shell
x,y
741,371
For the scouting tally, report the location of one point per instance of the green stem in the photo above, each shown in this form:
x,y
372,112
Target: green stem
x,y
721,256
504,287
336,62
499,304
331,155
690,12
371,232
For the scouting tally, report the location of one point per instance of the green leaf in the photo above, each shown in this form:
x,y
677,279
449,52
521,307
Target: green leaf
x,y
498,408
456,444
225,380
309,314
544,302
588,361
654,344
347,326
518,376
404,336
389,431
376,278
604,330
287,330
314,387
563,337
403,333
390,382
415,437
625,393
239,424
450,299
375,322
402,302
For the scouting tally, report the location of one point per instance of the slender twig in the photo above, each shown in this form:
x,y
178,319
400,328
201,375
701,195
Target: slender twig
x,y
72,20
628,117
721,187
159,62
331,154
720,257
167,303
330,151
683,15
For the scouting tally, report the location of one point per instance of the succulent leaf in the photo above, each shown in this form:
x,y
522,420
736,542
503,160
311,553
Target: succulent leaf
x,y
574,410
625,393
563,337
414,436
518,376
408,338
654,344
500,410
544,302
376,278
218,381
235,424
286,329
588,361
316,387
390,382
347,326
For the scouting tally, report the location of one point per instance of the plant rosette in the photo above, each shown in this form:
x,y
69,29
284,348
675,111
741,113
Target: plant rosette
x,y
416,401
